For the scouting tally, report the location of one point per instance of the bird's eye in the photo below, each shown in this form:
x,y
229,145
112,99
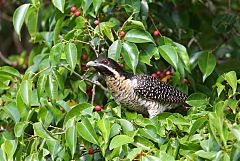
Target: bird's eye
x,y
105,62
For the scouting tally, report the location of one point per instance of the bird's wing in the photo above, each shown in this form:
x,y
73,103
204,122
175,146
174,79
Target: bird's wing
x,y
153,89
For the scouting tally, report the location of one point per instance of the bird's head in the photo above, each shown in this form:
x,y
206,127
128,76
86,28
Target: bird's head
x,y
106,66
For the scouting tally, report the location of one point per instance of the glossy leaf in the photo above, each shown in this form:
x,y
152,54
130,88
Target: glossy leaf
x,y
40,131
26,92
19,128
130,55
71,138
41,84
19,16
96,5
104,126
137,36
169,53
206,63
52,88
86,131
71,54
197,100
115,50
183,55
10,71
231,78
9,147
59,4
120,140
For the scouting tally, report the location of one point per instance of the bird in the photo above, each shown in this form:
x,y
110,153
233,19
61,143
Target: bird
x,y
141,93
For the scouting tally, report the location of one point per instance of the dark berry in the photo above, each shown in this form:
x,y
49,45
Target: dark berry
x,y
62,109
98,108
73,9
91,151
84,57
77,13
185,82
96,22
154,75
121,65
49,100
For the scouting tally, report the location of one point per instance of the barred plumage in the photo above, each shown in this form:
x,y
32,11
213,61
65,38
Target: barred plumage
x,y
141,93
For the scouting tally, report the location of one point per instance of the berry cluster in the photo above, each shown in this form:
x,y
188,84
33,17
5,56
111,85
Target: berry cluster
x,y
75,11
162,74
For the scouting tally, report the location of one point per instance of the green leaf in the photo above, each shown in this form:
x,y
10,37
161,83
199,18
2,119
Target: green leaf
x,y
231,78
78,110
71,138
22,108
120,140
58,79
71,54
40,131
12,110
206,63
126,125
19,16
104,126
132,24
220,88
86,5
19,128
137,36
115,50
134,152
59,4
9,147
55,54
41,84
31,21
26,92
97,4
197,99
169,53
108,32
183,55
52,88
196,125
206,155
130,55
10,71
85,129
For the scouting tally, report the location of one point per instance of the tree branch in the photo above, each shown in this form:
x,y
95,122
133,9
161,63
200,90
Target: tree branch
x,y
86,79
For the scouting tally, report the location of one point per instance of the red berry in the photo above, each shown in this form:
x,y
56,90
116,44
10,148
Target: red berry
x,y
89,91
121,33
159,73
62,109
168,77
98,108
139,155
154,75
156,33
96,22
121,65
73,9
91,151
77,13
185,82
84,57
228,109
49,100
168,72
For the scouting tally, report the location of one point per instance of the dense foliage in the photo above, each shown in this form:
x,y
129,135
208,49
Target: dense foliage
x,y
59,110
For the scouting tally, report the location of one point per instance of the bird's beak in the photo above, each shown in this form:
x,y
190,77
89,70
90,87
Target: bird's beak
x,y
91,64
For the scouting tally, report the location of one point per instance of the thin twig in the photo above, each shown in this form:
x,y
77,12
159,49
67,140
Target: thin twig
x,y
155,25
93,93
5,60
86,79
50,126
